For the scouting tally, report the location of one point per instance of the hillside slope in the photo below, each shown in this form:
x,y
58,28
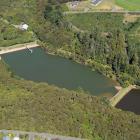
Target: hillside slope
x,y
25,105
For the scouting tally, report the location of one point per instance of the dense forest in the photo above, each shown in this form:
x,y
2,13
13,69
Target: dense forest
x,y
103,41
25,105
117,47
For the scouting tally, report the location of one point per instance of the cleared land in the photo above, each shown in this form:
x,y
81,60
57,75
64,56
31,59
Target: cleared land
x,y
106,5
88,21
88,6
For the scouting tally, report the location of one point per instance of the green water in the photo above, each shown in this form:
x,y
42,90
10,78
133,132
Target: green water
x,y
41,67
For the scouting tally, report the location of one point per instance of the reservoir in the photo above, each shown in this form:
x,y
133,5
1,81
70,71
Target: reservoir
x,y
131,102
41,67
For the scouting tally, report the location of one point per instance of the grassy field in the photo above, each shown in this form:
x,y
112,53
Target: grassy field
x,y
90,20
132,5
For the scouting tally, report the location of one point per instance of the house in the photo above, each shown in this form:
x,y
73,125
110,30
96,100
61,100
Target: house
x,y
96,2
23,27
74,4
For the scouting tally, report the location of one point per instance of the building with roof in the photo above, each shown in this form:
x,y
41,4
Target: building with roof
x,y
16,138
96,2
23,27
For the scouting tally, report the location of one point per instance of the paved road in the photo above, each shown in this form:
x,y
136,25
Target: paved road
x,y
18,47
99,11
43,136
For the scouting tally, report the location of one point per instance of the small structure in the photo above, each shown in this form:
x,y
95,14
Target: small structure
x,y
96,2
74,4
31,51
16,138
23,27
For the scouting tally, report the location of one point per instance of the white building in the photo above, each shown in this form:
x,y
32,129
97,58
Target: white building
x,y
16,138
23,27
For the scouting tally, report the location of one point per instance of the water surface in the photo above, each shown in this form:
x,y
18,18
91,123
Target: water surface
x,y
131,102
42,67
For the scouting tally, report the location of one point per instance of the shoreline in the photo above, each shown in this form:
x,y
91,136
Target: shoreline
x,y
118,88
117,85
121,93
14,48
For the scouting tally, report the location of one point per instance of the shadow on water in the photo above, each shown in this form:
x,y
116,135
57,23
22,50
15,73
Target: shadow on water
x,y
41,67
131,102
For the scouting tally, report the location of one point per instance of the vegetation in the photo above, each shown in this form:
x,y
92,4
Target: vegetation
x,y
25,105
10,16
9,35
95,38
104,41
132,5
111,48
115,45
88,21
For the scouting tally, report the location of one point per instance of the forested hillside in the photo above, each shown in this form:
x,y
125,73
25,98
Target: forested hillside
x,y
110,41
25,105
